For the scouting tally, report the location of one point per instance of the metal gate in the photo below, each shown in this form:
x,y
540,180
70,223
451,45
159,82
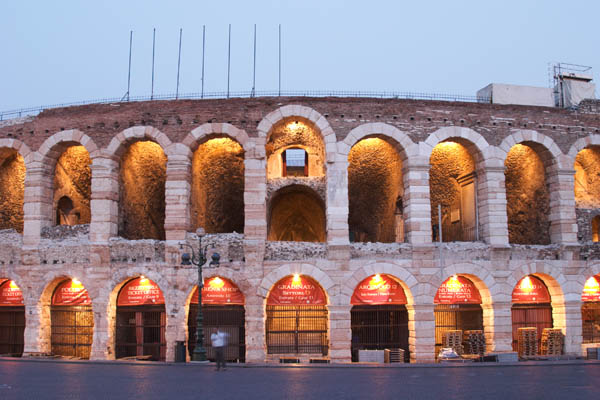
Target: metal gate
x,y
449,317
530,315
230,319
379,327
297,330
12,327
590,319
72,330
141,332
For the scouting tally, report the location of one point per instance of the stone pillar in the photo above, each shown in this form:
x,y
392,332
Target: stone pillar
x,y
37,203
104,200
255,330
421,327
100,347
177,193
563,224
33,322
568,318
340,333
337,203
176,329
417,201
498,327
491,197
255,199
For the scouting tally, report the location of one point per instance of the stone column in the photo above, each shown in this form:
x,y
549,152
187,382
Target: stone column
x,y
491,197
570,315
498,327
421,327
33,340
340,333
176,328
255,198
100,340
104,199
417,201
37,203
255,330
563,225
177,193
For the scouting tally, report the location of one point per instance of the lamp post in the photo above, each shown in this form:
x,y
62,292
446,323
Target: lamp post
x,y
199,260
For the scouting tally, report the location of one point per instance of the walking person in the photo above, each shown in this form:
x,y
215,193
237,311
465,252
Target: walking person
x,y
219,341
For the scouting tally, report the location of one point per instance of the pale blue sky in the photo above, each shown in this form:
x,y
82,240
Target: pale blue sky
x,y
67,50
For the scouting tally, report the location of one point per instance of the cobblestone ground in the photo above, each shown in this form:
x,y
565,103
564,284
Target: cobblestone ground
x,y
55,380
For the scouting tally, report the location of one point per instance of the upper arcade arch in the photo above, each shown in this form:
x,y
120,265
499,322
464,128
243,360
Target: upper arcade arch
x,y
119,144
404,145
13,172
56,144
209,130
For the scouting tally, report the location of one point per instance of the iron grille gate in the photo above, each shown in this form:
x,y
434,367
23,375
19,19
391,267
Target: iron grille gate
x,y
378,328
72,330
12,327
141,332
590,318
530,315
448,317
230,319
297,330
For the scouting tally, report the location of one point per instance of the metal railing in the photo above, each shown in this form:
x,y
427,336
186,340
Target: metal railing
x,y
31,111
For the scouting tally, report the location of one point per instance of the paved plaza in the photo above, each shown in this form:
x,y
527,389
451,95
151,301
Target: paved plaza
x,y
63,380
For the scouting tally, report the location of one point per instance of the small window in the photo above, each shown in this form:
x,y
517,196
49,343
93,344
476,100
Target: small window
x,y
65,213
596,229
295,162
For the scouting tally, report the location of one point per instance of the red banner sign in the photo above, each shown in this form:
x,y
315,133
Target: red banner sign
x,y
71,293
140,291
591,290
220,291
10,294
530,290
457,290
296,290
378,289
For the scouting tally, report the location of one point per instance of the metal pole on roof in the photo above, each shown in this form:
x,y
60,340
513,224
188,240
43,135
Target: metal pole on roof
x,y
178,63
153,51
228,60
129,70
203,48
252,94
279,60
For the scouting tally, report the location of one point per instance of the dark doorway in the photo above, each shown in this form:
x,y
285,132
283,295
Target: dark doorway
x,y
530,316
296,329
12,327
450,317
141,332
72,331
379,327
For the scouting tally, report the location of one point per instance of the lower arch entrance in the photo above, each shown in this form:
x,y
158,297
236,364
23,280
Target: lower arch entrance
x,y
590,310
459,317
379,318
297,318
141,321
223,309
12,319
71,320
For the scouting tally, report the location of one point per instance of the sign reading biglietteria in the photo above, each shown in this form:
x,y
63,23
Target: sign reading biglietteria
x,y
530,290
377,290
140,291
10,294
71,293
296,290
457,290
219,291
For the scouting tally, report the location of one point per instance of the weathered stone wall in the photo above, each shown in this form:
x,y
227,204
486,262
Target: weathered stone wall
x,y
12,187
73,178
587,178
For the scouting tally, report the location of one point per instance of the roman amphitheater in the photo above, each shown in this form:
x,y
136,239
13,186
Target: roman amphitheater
x,y
342,224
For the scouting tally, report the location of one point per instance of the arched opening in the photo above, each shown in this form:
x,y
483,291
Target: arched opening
x,y
297,317
142,195
590,310
296,214
71,320
587,193
379,318
459,317
72,187
223,309
12,319
532,317
298,134
453,186
12,189
375,192
218,186
141,321
527,195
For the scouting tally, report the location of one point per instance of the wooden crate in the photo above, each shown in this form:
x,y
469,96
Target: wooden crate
x,y
527,340
552,342
454,339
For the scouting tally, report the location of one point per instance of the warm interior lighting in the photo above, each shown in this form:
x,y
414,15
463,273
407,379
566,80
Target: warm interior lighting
x,y
296,280
449,146
13,285
143,280
295,126
376,281
591,285
453,284
526,284
217,282
76,284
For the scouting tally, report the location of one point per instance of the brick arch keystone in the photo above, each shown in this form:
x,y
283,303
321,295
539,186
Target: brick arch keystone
x,y
407,147
205,131
407,280
117,145
290,269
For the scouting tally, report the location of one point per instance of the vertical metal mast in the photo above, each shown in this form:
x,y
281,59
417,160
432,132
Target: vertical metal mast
x,y
129,70
254,70
178,64
279,59
228,60
203,48
153,48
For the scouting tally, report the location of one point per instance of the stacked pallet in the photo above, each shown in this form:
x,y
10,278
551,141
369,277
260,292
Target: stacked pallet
x,y
527,340
474,342
552,342
394,355
453,339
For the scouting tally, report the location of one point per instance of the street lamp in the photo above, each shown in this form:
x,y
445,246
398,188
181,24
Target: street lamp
x,y
199,260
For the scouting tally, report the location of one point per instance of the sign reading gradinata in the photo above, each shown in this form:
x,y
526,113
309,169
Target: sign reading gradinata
x,y
591,290
378,289
530,290
10,294
220,291
71,293
457,290
140,291
296,290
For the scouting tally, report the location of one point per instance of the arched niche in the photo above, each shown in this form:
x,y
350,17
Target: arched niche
x,y
12,318
72,186
217,199
375,192
296,214
142,191
527,195
590,310
12,189
587,193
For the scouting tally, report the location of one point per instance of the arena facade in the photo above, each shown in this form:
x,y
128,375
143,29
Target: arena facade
x,y
312,204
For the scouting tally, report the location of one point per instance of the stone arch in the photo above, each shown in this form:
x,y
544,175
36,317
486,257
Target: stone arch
x,y
208,130
582,143
575,287
53,147
228,273
477,145
405,146
119,143
15,160
310,270
19,147
544,145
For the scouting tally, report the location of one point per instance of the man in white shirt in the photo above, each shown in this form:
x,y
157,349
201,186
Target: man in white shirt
x,y
219,341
